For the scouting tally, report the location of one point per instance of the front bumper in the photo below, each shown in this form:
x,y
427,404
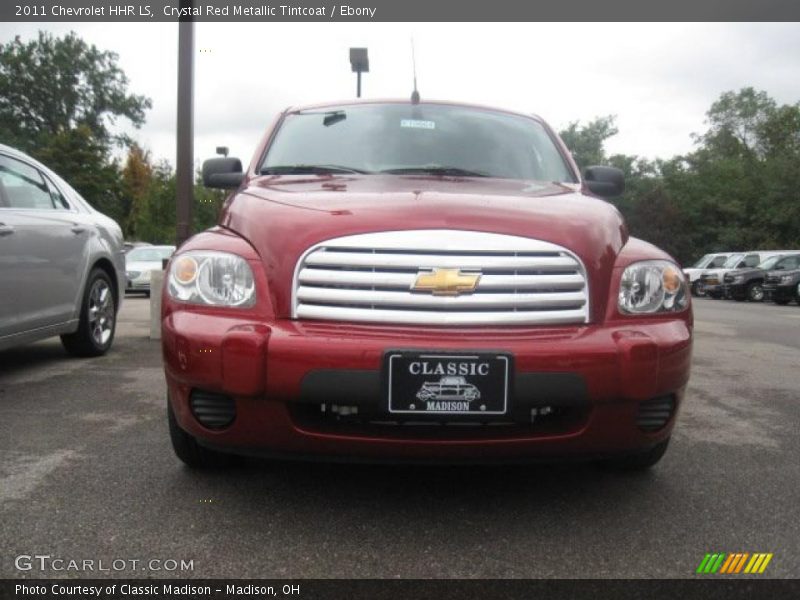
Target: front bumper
x,y
715,290
780,293
734,290
595,378
139,284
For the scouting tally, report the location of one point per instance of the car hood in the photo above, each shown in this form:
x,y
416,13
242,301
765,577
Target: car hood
x,y
283,216
782,272
745,272
138,265
716,272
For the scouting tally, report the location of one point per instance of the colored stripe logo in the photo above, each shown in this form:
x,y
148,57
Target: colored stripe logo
x,y
734,563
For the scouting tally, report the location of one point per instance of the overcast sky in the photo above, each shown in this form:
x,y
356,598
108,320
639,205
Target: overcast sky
x,y
659,79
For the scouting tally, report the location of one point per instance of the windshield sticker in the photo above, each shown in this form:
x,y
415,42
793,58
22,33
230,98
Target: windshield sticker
x,y
417,124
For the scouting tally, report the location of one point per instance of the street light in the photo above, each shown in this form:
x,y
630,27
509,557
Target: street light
x,y
359,63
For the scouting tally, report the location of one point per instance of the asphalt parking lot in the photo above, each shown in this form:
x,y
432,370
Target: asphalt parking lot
x,y
87,472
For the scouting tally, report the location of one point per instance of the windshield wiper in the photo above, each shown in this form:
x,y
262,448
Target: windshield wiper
x,y
308,169
436,170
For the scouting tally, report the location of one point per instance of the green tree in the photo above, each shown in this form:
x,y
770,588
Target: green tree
x,y
738,190
59,100
586,142
155,219
137,175
50,85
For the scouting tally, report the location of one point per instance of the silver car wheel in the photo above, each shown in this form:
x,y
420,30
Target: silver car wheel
x,y
101,312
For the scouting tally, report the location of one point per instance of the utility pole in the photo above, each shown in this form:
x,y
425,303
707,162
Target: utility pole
x,y
184,163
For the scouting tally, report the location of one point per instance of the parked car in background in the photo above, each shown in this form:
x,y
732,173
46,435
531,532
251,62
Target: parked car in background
x,y
782,285
375,252
61,262
711,282
747,284
709,261
138,264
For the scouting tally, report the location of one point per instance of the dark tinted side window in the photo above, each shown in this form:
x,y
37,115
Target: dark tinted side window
x,y
790,263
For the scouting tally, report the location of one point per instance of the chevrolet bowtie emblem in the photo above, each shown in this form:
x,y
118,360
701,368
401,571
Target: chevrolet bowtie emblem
x,y
446,282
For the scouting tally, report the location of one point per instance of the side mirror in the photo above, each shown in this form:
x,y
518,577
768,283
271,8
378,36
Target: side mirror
x,y
606,182
222,173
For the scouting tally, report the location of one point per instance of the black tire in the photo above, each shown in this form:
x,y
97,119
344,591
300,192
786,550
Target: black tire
x,y
98,318
755,292
638,461
189,451
697,289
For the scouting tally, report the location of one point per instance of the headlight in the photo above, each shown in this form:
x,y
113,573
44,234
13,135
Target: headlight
x,y
212,278
652,286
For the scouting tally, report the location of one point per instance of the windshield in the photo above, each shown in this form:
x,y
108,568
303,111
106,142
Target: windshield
x,y
422,138
733,261
770,262
149,254
703,261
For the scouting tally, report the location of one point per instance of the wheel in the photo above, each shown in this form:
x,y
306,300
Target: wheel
x,y
189,451
755,292
697,289
98,318
638,461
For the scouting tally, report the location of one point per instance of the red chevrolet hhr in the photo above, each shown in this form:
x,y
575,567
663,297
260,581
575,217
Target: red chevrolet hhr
x,y
421,282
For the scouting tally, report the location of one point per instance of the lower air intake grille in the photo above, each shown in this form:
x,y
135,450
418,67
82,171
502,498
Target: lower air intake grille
x,y
655,413
214,411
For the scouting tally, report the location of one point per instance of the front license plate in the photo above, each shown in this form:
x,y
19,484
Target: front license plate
x,y
430,383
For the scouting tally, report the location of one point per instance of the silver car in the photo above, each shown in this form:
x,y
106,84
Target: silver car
x,y
62,270
140,261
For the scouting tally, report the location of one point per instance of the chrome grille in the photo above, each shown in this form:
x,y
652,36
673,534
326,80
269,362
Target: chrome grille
x,y
369,278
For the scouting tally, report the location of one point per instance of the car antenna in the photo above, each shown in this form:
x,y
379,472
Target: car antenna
x,y
415,93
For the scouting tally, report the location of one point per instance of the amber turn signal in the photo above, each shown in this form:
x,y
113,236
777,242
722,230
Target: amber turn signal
x,y
185,269
672,280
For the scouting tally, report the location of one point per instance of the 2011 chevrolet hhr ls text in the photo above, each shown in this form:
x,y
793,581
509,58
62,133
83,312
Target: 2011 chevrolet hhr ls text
x,y
426,282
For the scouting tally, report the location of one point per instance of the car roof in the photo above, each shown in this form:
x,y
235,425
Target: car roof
x,y
14,153
364,102
154,247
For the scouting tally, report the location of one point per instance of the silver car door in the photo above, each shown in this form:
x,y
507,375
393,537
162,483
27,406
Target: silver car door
x,y
39,271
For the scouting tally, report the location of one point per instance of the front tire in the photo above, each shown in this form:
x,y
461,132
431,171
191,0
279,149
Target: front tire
x,y
755,292
639,461
189,451
98,318
697,289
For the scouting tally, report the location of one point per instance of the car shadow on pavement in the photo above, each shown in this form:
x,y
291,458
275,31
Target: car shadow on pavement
x,y
410,485
37,355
